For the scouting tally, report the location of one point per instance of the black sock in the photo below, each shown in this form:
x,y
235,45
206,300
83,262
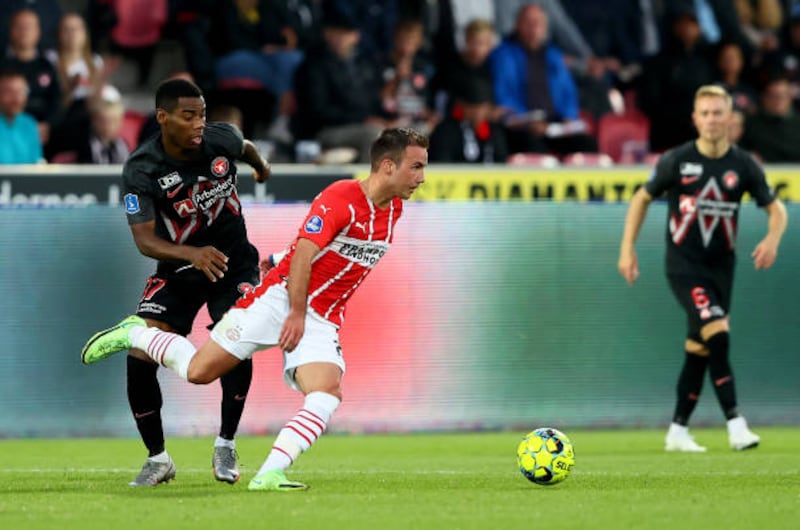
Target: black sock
x,y
690,384
144,397
235,385
719,369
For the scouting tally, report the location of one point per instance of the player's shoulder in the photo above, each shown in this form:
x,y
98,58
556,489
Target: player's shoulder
x,y
344,189
743,157
220,131
679,156
145,159
684,151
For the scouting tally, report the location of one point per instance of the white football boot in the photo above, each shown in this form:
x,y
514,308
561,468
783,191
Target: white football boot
x,y
679,439
740,436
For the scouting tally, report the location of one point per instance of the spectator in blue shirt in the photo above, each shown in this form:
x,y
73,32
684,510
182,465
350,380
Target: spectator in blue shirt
x,y
19,133
534,85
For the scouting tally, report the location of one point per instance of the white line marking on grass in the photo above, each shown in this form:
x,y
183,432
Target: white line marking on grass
x,y
639,474
204,470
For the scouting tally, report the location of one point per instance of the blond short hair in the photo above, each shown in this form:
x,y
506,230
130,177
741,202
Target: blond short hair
x,y
714,91
476,26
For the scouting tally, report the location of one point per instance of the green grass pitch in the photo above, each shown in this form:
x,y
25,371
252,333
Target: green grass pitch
x,y
622,480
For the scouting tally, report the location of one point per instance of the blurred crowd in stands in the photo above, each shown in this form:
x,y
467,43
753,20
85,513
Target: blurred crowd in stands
x,y
492,81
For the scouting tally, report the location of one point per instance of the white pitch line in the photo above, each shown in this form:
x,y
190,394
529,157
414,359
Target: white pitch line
x,y
643,474
208,470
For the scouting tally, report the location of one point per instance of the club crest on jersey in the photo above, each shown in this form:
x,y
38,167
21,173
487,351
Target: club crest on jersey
x,y
167,181
314,225
131,203
219,166
691,169
730,179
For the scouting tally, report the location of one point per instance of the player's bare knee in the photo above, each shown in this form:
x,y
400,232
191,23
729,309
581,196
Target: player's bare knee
x,y
199,375
696,348
335,391
720,325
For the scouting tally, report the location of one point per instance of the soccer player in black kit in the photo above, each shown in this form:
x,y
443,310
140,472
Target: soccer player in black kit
x,y
183,210
704,181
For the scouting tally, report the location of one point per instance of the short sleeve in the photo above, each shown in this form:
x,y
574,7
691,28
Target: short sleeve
x,y
325,219
663,176
224,139
137,195
758,188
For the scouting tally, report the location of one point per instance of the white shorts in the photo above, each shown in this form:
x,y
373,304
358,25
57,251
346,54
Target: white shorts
x,y
242,332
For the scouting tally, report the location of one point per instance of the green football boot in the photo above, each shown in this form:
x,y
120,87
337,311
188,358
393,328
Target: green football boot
x,y
110,341
274,480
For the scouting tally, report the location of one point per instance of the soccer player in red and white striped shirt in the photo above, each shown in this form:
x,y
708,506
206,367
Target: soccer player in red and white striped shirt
x,y
300,304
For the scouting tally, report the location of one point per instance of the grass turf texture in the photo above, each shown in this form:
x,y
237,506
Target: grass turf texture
x,y
622,479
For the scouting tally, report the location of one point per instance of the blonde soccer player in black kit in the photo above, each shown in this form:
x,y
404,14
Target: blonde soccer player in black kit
x,y
704,181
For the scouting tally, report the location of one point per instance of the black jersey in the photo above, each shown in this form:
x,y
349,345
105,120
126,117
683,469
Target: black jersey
x,y
193,202
703,197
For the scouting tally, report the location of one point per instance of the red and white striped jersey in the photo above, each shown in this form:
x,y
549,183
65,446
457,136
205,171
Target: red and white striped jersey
x,y
352,233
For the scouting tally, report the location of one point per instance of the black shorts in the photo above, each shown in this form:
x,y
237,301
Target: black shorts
x,y
705,298
175,298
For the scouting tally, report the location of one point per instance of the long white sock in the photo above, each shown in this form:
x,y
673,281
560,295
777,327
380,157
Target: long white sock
x,y
167,349
302,431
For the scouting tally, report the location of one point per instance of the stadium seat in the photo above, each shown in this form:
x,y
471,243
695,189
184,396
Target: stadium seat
x,y
587,160
591,124
623,133
533,159
240,83
650,159
631,158
65,157
139,22
630,102
131,125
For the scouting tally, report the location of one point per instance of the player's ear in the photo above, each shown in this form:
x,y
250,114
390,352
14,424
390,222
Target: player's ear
x,y
388,165
161,116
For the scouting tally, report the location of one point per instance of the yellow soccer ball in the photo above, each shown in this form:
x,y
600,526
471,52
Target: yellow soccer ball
x,y
545,456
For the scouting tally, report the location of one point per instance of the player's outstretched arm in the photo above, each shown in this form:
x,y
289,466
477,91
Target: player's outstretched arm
x,y
261,168
767,249
628,264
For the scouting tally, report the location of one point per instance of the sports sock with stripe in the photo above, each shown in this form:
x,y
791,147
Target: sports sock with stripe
x,y
301,431
690,384
167,349
719,369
